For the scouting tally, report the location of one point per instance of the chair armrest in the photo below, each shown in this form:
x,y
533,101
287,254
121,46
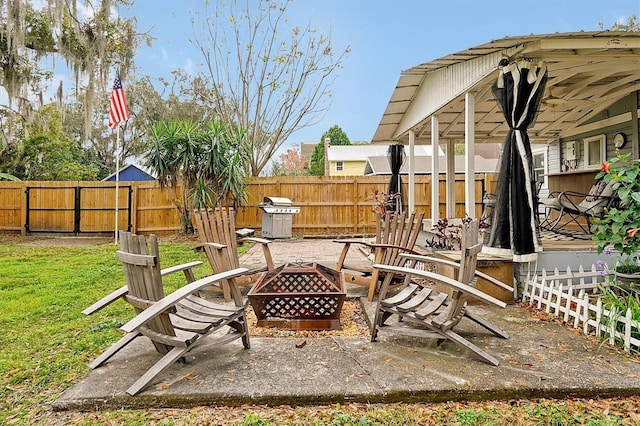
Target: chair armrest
x,y
444,280
266,251
554,194
200,247
123,291
381,255
187,268
577,194
393,246
178,268
570,196
430,259
566,194
107,300
573,200
354,241
343,254
582,196
173,298
256,240
447,262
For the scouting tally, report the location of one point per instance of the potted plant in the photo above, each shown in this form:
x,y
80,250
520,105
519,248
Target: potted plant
x,y
446,234
383,202
618,228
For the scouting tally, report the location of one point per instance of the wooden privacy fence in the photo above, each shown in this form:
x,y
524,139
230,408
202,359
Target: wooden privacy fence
x,y
340,205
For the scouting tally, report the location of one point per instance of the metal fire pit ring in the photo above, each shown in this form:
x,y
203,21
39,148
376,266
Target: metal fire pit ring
x,y
299,296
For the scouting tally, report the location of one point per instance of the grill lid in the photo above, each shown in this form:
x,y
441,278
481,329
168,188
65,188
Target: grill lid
x,y
278,205
277,201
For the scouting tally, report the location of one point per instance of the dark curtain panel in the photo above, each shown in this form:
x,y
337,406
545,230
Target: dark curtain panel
x,y
518,91
395,154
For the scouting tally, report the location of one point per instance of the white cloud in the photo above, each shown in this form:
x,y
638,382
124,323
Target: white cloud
x,y
190,66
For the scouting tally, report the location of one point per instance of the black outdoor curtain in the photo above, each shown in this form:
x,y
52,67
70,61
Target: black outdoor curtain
x,y
395,154
518,91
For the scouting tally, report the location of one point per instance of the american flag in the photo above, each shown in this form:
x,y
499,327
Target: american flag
x,y
118,111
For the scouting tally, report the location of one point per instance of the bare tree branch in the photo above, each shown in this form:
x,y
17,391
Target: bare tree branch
x,y
266,74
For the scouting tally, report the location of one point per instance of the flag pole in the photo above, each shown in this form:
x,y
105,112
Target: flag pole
x,y
118,112
117,180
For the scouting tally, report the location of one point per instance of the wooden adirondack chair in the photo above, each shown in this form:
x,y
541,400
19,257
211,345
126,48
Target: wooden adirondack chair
x,y
428,313
217,234
395,234
174,323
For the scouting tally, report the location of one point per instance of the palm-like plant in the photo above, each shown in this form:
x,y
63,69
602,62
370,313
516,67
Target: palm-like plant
x,y
209,164
7,176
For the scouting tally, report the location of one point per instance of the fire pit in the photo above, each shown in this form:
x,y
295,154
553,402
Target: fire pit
x,y
299,296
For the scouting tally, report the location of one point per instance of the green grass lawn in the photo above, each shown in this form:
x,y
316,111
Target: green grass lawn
x,y
46,345
46,341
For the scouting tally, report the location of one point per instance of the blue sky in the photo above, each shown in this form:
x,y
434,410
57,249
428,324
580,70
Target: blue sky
x,y
386,37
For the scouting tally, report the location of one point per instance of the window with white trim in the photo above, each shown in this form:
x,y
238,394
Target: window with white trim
x,y
339,166
540,168
594,151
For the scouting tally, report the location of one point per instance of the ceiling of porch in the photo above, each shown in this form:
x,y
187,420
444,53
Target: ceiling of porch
x,y
587,73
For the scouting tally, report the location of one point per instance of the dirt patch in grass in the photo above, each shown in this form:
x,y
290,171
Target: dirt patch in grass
x,y
83,241
352,321
178,238
64,241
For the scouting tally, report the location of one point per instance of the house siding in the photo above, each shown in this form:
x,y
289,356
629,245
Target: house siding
x,y
553,157
350,168
609,130
610,121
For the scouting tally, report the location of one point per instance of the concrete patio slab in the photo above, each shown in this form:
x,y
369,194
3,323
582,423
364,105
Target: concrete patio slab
x,y
540,359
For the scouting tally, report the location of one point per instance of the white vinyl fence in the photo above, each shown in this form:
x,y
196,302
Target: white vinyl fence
x,y
573,296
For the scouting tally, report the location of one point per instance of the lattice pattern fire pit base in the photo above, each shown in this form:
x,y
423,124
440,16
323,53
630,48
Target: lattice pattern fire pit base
x,y
299,296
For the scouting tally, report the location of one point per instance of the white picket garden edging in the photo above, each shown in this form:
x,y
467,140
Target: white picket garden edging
x,y
573,296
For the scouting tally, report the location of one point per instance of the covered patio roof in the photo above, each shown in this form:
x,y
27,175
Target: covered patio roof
x,y
587,73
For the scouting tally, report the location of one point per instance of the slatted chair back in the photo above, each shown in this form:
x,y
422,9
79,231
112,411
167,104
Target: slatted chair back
x,y
218,225
141,265
217,234
399,231
395,235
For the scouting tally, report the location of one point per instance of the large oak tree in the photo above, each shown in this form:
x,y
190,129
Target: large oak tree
x,y
85,40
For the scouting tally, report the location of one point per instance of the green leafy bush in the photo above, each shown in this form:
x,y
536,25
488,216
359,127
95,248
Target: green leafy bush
x,y
619,226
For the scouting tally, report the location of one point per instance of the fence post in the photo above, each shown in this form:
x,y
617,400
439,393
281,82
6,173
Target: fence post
x,y
612,325
627,331
23,210
356,216
599,317
76,210
134,208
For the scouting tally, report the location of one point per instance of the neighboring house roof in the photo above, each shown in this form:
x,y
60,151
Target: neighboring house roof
x,y
362,152
380,165
587,73
131,172
306,149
